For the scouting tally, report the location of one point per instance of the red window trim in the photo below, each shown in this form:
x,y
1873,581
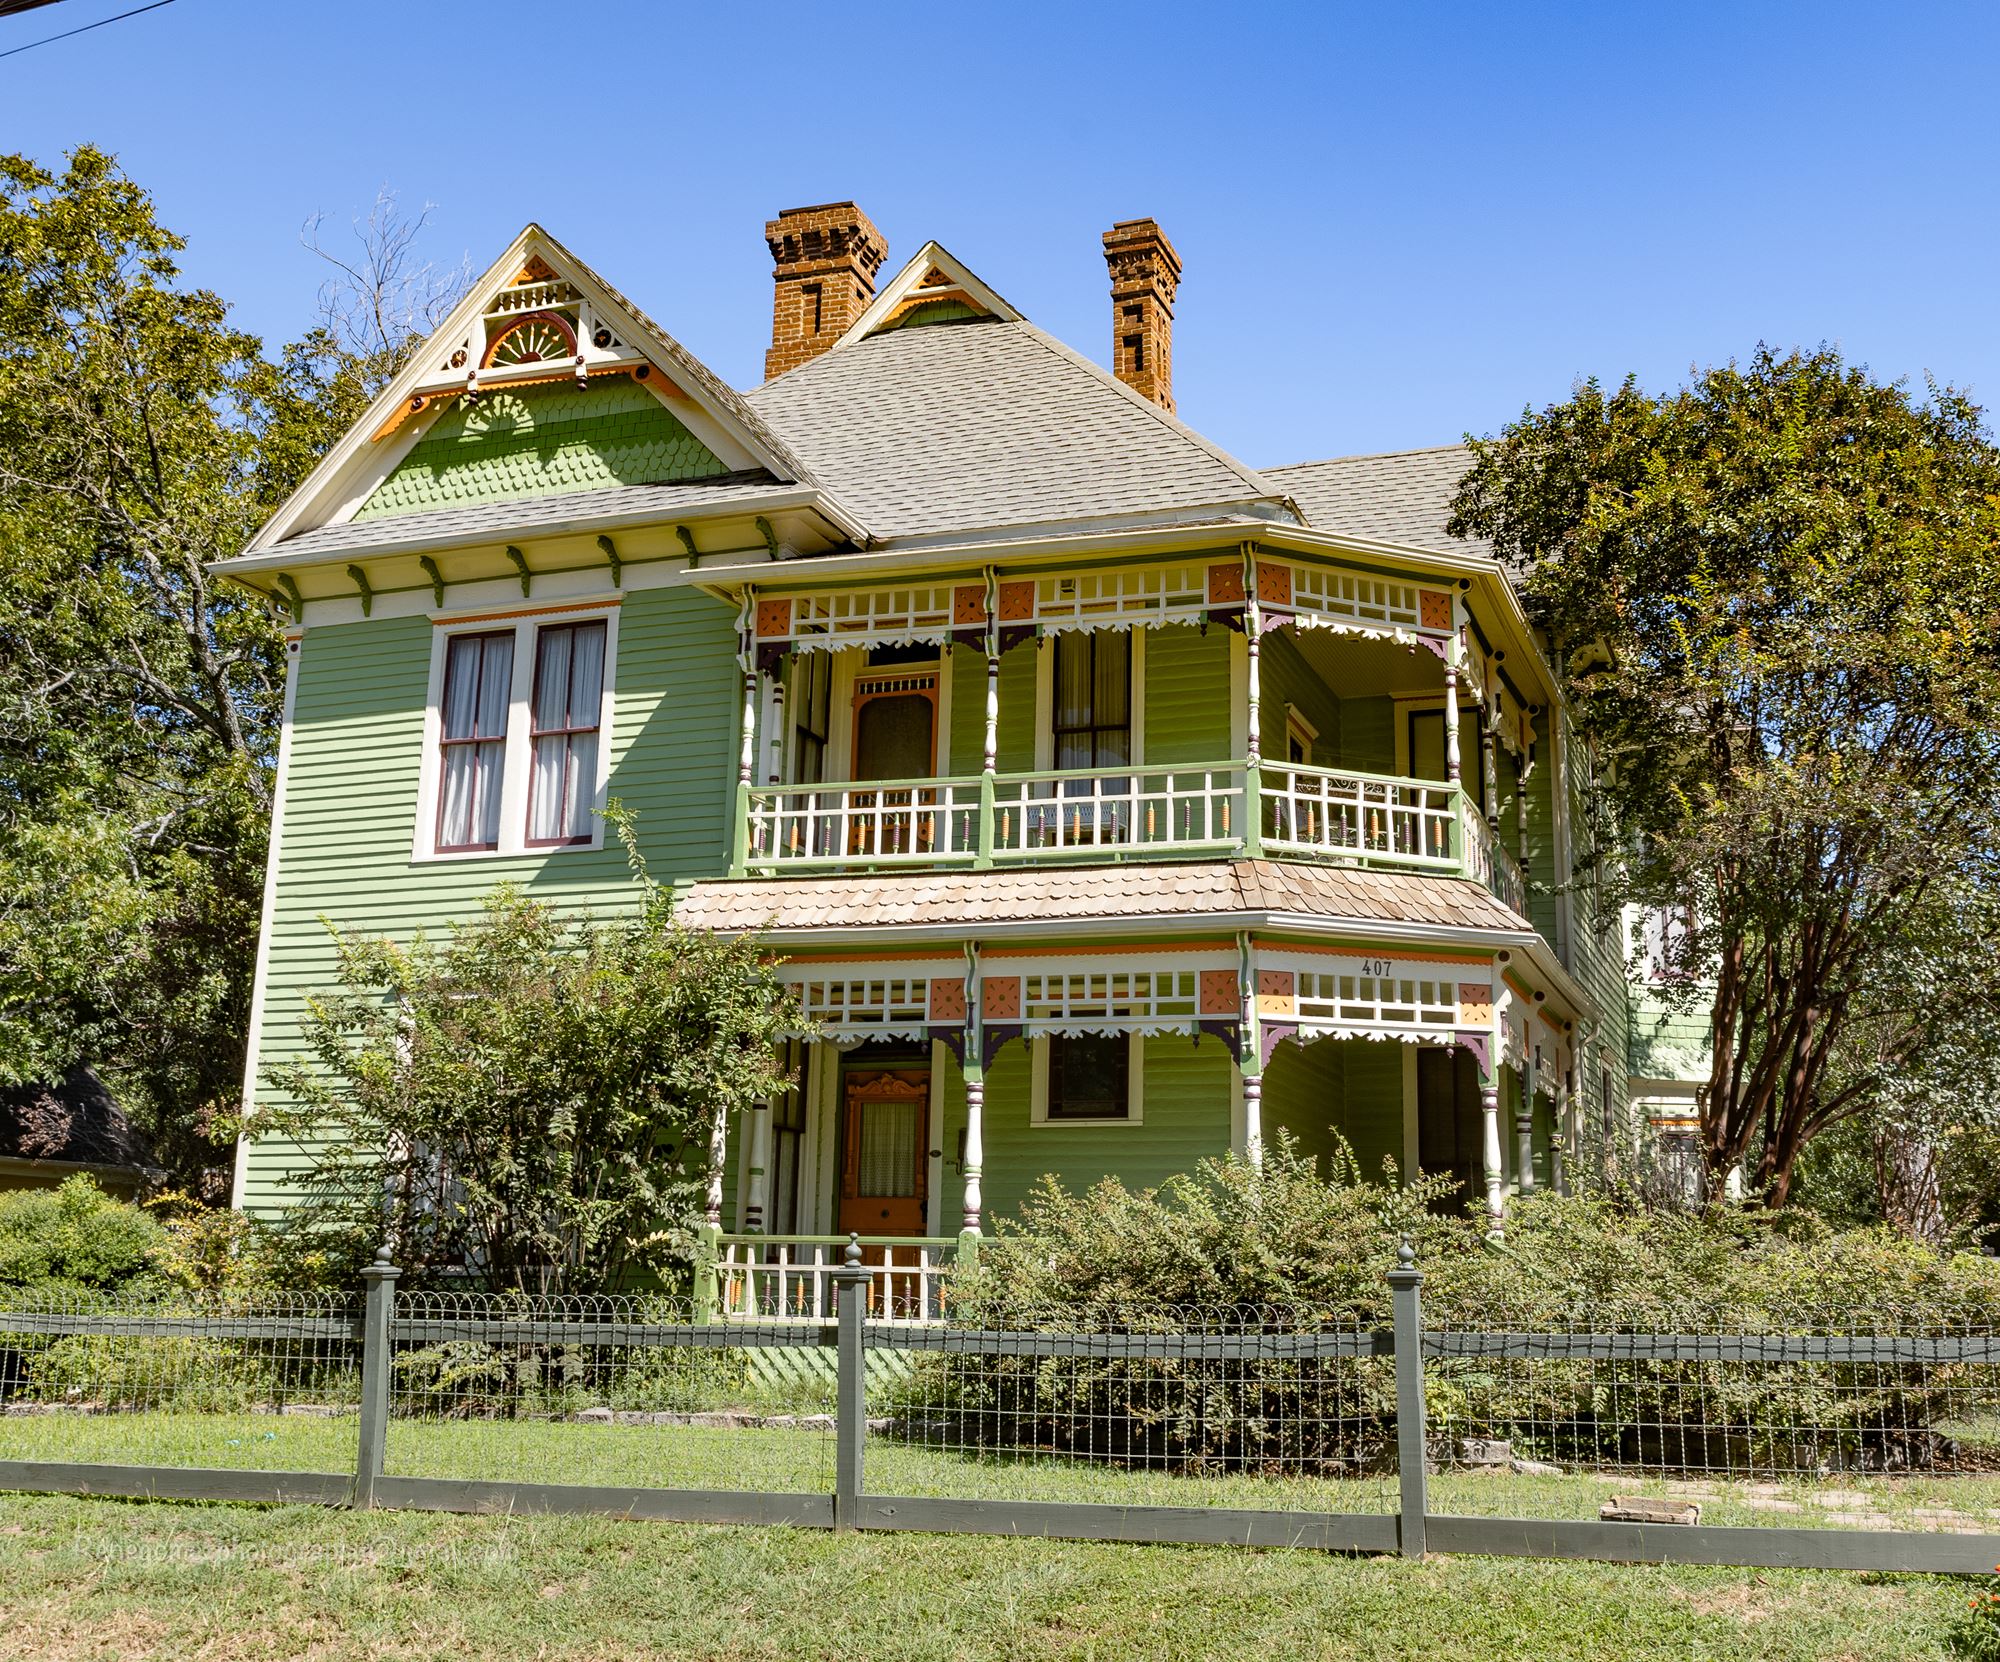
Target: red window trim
x,y
542,632
445,745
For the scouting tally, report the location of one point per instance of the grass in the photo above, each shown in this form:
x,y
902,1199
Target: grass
x,y
98,1580
666,1456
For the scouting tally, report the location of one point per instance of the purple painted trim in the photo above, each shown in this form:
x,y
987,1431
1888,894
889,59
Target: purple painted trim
x,y
1231,616
1270,1036
1481,1046
1228,1031
1012,634
973,638
1434,645
770,654
991,1039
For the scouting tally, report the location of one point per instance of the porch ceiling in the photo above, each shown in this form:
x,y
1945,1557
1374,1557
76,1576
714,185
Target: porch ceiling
x,y
1228,891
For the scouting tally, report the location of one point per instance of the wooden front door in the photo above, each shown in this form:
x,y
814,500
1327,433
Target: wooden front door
x,y
885,1119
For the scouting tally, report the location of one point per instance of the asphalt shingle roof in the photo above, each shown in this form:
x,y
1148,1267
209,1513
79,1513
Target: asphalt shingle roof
x,y
1403,496
1054,894
75,1120
970,425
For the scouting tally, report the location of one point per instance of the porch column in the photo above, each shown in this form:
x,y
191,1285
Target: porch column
x,y
1489,1098
1496,1181
746,764
990,756
1253,683
975,1150
1488,764
774,733
756,1194
1524,770
1250,1052
1559,1141
1451,757
1524,1129
1253,1120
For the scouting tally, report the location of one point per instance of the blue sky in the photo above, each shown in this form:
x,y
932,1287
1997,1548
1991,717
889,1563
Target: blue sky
x,y
1398,222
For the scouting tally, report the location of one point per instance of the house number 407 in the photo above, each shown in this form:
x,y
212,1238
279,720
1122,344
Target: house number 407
x,y
1375,966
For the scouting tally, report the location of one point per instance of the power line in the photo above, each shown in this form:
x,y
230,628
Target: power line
x,y
85,28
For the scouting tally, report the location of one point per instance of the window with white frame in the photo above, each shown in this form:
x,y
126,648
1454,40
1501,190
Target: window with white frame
x,y
1087,1079
516,734
478,689
568,704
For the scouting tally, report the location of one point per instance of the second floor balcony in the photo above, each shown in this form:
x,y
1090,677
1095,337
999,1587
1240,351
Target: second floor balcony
x,y
1250,709
1226,809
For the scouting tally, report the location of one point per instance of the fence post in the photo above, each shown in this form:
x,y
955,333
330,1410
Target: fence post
x,y
850,1283
377,1364
1406,1286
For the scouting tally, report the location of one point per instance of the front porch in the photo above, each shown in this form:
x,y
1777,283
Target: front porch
x,y
935,1092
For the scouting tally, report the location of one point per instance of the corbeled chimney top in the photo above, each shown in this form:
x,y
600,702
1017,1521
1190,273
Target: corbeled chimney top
x,y
824,263
1145,272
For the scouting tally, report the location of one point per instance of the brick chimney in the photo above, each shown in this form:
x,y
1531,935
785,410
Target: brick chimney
x,y
826,258
1145,271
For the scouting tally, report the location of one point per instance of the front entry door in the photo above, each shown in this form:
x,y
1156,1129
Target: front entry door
x,y
884,1123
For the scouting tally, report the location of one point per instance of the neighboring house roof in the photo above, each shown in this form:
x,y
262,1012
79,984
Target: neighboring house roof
x,y
1043,894
73,1122
1401,496
546,514
986,423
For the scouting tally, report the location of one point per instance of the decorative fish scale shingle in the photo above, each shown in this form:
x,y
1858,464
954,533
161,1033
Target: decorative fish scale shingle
x,y
542,441
1032,894
973,425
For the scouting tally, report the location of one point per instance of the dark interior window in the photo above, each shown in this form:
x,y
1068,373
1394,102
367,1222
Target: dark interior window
x,y
1089,1077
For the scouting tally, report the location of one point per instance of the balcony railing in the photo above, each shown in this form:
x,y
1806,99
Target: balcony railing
x,y
881,822
1488,861
790,1277
1141,812
1155,809
1371,816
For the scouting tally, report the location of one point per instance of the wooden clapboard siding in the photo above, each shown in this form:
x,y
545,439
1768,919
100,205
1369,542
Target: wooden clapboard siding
x,y
1336,1091
1186,1120
1186,696
1287,681
351,802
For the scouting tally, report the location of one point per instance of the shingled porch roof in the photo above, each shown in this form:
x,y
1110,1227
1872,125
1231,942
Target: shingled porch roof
x,y
1225,892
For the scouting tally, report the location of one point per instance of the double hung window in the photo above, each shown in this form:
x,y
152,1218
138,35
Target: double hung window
x,y
569,698
478,689
517,728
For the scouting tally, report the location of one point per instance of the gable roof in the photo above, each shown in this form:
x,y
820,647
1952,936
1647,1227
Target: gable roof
x,y
932,274
1401,496
75,1121
988,423
364,453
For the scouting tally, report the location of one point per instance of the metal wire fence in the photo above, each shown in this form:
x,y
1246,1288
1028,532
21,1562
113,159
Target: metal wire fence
x,y
271,1381
1185,1406
1872,1420
1857,1438
607,1390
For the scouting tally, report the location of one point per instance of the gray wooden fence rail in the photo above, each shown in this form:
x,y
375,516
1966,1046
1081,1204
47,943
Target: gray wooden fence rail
x,y
1411,1529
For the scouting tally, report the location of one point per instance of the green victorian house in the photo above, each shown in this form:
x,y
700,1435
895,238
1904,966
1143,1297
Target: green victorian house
x,y
1111,803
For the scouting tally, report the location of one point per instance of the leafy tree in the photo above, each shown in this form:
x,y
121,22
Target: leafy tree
x,y
1775,600
535,1099
141,436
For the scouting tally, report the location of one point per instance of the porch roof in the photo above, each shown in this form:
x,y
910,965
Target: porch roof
x,y
1230,892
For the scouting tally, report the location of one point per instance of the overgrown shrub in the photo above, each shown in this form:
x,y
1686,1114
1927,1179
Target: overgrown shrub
x,y
77,1240
1231,1248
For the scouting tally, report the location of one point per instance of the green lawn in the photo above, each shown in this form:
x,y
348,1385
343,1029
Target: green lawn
x,y
661,1456
115,1581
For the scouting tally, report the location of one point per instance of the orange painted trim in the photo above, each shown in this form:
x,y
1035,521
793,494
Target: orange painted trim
x,y
991,953
1264,941
525,611
869,958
